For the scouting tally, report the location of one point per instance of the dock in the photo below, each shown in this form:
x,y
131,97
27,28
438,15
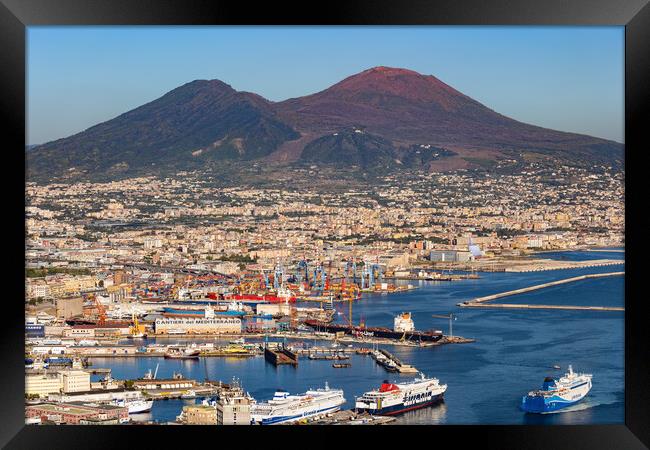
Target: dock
x,y
480,302
401,367
348,417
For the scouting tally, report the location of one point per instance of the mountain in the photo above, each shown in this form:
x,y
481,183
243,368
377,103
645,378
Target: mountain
x,y
408,108
199,121
381,119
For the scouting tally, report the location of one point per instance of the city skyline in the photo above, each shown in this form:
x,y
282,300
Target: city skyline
x,y
565,78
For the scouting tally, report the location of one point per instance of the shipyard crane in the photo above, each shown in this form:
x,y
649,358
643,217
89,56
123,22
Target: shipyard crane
x,y
451,318
101,311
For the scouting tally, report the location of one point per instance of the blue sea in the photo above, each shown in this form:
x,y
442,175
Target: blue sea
x,y
513,352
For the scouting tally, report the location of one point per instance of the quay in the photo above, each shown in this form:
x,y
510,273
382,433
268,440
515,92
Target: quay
x,y
567,307
543,265
348,417
520,265
480,301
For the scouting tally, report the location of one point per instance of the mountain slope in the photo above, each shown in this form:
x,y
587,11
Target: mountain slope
x,y
409,108
403,120
199,121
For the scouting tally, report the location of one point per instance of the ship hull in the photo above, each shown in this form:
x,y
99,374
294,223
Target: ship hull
x,y
293,418
140,407
537,405
375,332
182,357
400,409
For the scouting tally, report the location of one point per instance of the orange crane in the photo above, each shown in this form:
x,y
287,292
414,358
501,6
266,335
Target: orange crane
x,y
101,311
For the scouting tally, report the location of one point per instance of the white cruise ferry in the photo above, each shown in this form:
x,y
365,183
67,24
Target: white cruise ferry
x,y
285,408
392,398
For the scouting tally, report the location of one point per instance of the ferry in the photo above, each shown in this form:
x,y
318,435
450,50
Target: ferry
x,y
286,408
392,399
557,393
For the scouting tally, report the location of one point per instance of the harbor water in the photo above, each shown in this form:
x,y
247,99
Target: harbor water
x,y
513,352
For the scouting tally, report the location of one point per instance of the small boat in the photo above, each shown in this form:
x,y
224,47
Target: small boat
x,y
176,331
341,365
185,353
556,367
239,341
189,394
135,406
137,336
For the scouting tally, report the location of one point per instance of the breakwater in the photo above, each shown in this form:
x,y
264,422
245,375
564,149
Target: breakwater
x,y
480,301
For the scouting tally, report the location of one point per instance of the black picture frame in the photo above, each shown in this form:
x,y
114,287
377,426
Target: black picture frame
x,y
16,15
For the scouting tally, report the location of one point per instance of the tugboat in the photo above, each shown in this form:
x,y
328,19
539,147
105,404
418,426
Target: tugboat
x,y
136,331
557,393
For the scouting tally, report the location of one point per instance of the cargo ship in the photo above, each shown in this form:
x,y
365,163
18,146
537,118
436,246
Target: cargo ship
x,y
557,393
233,309
403,329
286,408
395,398
282,295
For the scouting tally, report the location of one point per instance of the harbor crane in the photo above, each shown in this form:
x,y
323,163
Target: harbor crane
x,y
101,311
451,318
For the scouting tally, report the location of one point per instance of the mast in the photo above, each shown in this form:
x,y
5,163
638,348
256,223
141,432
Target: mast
x,y
350,313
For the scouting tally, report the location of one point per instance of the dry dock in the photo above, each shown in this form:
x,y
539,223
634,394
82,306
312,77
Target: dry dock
x,y
479,302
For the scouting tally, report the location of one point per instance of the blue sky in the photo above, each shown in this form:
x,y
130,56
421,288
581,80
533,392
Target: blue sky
x,y
565,78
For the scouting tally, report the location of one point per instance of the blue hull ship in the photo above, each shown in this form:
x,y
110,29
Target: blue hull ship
x,y
556,394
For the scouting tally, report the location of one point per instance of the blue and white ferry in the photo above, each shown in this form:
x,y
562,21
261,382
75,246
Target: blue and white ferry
x,y
286,408
558,393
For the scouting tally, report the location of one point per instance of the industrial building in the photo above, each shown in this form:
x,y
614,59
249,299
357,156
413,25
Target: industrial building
x,y
77,413
450,255
212,325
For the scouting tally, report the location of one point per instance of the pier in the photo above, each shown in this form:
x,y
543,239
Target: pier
x,y
479,302
401,367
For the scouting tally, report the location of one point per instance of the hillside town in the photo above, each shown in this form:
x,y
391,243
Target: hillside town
x,y
184,257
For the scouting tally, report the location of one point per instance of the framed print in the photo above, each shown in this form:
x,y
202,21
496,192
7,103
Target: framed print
x,y
380,215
